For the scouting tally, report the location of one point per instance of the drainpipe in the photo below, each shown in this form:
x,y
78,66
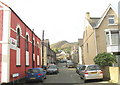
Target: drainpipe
x,y
95,41
32,49
43,48
25,49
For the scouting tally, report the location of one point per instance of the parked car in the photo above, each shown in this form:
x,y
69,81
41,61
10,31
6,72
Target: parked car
x,y
35,74
52,69
62,61
89,72
78,68
44,67
70,64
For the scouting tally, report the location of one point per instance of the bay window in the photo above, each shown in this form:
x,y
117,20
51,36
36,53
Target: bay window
x,y
113,37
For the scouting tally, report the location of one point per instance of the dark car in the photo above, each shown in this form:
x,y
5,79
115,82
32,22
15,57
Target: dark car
x,y
52,69
35,74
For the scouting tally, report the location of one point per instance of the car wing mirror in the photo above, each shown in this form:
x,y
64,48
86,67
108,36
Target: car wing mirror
x,y
44,71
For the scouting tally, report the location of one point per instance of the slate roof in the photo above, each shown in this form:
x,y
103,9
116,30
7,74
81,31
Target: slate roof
x,y
94,21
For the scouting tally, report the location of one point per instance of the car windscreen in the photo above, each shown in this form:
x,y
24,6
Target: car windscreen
x,y
33,71
52,66
93,67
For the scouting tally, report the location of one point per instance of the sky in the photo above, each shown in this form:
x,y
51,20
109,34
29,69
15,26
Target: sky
x,y
60,19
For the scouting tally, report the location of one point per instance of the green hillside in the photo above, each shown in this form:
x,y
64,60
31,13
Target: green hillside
x,y
63,45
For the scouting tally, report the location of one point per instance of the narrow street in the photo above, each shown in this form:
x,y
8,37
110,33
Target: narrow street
x,y
66,76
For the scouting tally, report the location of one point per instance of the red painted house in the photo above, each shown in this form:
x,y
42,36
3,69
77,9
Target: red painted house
x,y
19,46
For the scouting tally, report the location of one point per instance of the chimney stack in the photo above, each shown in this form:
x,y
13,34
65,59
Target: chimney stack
x,y
88,15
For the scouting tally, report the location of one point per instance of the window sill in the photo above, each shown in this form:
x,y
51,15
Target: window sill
x,y
18,65
112,24
27,65
113,45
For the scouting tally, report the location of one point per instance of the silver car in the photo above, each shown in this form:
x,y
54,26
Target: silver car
x,y
69,64
89,72
52,69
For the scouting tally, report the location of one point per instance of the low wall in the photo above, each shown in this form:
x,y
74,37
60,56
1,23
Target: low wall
x,y
114,74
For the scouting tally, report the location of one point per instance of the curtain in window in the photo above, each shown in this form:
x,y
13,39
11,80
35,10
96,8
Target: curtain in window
x,y
115,38
107,39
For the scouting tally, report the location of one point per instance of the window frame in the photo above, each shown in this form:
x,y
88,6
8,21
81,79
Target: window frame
x,y
18,37
111,17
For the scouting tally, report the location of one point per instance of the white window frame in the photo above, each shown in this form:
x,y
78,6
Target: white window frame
x,y
38,60
27,58
111,17
18,57
110,35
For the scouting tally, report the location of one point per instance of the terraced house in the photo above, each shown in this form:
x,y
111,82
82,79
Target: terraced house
x,y
19,46
101,34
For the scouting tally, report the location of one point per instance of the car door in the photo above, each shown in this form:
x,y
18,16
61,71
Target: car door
x,y
82,71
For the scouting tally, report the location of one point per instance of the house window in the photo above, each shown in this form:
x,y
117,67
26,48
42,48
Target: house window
x,y
18,37
33,43
107,38
115,37
111,19
38,60
18,57
27,50
27,43
18,48
27,58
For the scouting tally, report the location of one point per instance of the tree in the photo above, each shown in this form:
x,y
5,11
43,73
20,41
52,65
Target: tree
x,y
105,59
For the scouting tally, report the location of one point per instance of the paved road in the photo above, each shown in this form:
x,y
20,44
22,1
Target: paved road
x,y
67,76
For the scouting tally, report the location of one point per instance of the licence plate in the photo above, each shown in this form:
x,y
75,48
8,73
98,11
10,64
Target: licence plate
x,y
93,72
32,78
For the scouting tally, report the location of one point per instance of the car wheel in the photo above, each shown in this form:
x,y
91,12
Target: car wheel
x,y
84,80
81,78
45,77
42,79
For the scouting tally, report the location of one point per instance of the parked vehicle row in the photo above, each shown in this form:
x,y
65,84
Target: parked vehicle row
x,y
88,72
39,74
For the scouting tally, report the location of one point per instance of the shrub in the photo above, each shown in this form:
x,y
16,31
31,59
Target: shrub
x,y
105,59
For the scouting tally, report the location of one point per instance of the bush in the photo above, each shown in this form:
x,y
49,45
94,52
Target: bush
x,y
105,59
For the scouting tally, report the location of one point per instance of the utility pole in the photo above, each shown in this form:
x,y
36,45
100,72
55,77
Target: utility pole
x,y
43,48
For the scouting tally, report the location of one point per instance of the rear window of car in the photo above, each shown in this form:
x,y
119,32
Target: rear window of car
x,y
93,67
34,71
69,62
82,67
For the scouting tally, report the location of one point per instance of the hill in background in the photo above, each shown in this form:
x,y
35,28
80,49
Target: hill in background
x,y
63,45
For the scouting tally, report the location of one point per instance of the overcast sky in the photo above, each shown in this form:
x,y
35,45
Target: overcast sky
x,y
61,19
